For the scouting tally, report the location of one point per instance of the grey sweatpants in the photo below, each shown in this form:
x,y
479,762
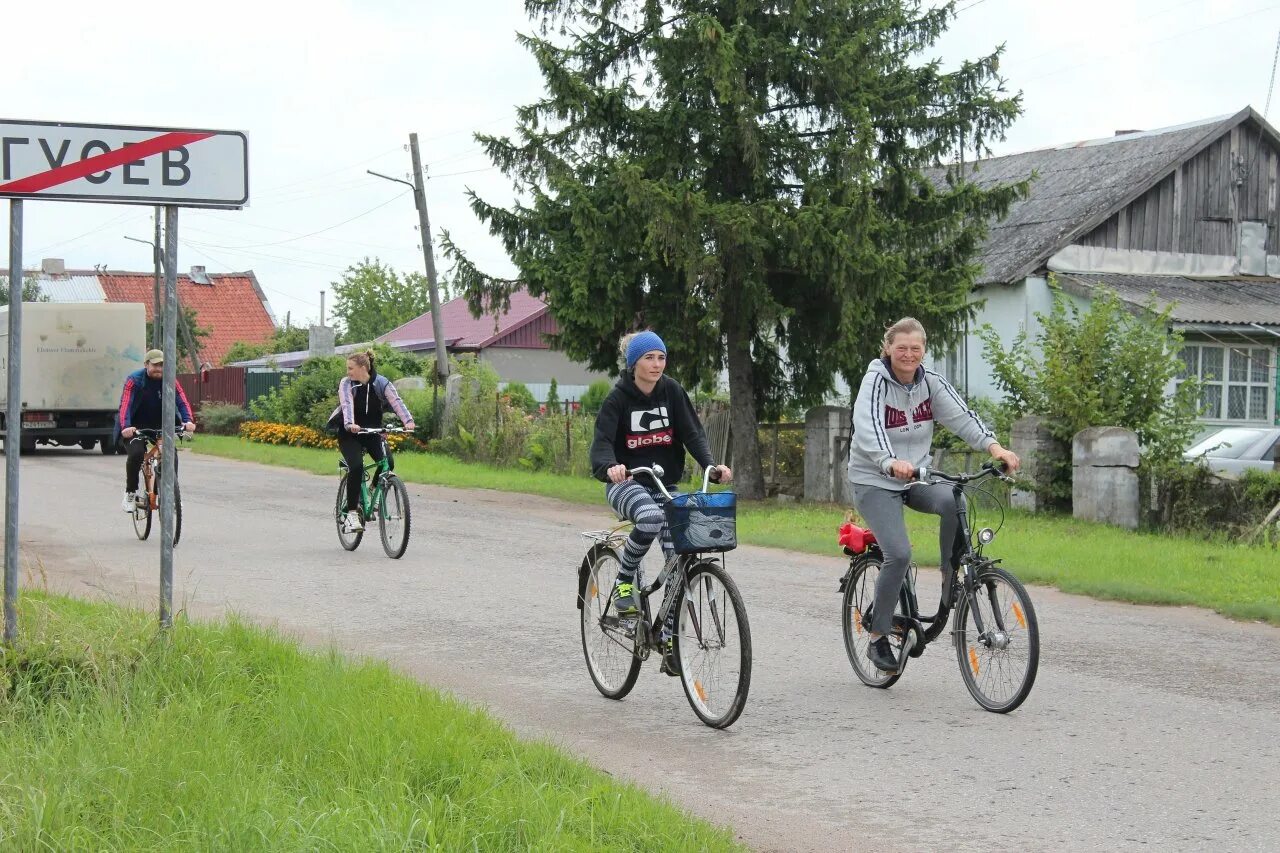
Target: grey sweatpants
x,y
882,510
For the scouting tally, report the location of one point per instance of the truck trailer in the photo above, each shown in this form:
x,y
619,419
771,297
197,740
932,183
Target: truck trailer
x,y
74,360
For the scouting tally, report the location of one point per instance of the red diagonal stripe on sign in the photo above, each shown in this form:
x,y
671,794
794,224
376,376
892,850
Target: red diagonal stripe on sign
x,y
102,162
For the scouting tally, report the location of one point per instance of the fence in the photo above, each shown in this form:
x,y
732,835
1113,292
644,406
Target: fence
x,y
234,385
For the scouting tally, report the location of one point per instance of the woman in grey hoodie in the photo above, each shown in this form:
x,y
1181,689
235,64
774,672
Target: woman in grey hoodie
x,y
893,417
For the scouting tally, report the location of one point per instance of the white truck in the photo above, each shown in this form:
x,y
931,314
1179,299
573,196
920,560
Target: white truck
x,y
74,360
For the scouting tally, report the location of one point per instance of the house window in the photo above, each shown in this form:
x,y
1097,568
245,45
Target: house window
x,y
1235,381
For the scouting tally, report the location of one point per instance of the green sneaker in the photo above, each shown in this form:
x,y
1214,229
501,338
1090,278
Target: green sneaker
x,y
624,600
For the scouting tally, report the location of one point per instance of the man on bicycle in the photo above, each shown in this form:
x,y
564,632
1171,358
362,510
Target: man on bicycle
x,y
141,408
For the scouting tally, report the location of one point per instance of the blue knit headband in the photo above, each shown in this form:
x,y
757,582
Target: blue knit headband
x,y
641,344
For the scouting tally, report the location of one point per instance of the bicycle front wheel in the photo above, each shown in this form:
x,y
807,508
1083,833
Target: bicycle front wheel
x,y
350,540
608,645
393,516
859,594
713,645
998,646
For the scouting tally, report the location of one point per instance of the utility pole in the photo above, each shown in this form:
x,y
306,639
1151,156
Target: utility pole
x,y
428,254
322,308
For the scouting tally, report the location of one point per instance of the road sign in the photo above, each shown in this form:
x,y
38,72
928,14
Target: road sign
x,y
123,164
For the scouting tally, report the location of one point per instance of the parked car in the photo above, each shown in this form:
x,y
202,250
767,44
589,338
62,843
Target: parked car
x,y
1234,450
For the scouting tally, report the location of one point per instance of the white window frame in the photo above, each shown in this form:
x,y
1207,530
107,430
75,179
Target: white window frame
x,y
1226,383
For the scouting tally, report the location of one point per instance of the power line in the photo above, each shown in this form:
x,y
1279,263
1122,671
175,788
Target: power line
x,y
467,172
230,268
109,223
1272,85
314,233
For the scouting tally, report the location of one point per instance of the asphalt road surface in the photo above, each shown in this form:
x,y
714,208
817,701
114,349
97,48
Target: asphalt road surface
x,y
1147,728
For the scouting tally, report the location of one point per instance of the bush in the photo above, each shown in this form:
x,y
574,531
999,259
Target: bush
x,y
304,394
222,418
1192,499
423,405
1103,367
519,396
487,429
559,443
998,417
593,398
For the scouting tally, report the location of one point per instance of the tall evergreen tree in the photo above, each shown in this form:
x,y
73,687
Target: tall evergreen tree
x,y
751,178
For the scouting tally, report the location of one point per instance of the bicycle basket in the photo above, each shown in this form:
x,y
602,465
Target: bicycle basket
x,y
703,521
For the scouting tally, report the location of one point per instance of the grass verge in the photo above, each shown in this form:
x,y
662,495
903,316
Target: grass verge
x,y
1076,556
222,736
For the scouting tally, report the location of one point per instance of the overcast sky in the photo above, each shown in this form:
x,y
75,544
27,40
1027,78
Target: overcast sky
x,y
331,89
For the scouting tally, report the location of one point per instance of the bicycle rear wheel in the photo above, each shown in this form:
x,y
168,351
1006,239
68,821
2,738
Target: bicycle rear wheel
x,y
713,645
998,662
608,646
350,540
859,594
393,516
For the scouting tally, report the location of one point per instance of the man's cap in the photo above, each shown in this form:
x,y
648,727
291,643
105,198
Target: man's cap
x,y
154,356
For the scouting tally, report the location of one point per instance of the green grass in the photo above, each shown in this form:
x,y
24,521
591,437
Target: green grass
x,y
1076,556
224,737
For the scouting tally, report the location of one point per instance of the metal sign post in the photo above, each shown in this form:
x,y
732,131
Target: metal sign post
x,y
13,425
168,411
119,164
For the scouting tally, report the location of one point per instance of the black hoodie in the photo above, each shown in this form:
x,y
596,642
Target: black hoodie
x,y
637,429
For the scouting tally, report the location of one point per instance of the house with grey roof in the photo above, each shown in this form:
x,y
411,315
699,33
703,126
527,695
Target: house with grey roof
x,y
1185,216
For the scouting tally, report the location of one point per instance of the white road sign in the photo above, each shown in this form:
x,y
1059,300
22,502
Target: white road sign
x,y
123,164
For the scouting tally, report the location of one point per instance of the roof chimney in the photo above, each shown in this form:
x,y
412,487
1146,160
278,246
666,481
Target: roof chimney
x,y
53,266
1127,132
199,276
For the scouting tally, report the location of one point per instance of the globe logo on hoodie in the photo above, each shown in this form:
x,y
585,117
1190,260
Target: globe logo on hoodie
x,y
649,428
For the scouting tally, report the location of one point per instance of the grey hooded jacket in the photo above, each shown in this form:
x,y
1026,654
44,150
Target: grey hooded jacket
x,y
895,421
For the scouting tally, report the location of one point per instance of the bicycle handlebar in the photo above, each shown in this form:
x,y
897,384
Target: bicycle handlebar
x,y
656,472
180,432
380,431
989,469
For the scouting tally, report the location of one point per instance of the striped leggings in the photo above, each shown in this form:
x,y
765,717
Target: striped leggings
x,y
637,504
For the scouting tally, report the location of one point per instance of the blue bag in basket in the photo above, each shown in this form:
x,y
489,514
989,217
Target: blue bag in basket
x,y
703,521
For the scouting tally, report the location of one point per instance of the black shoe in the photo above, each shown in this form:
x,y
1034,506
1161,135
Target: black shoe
x,y
880,652
670,663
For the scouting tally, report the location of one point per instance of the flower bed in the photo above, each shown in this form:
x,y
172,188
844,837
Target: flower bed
x,y
265,432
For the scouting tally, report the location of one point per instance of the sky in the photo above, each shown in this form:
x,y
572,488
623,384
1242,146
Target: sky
x,y
327,93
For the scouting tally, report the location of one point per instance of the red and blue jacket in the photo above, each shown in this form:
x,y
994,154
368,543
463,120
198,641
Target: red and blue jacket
x,y
141,403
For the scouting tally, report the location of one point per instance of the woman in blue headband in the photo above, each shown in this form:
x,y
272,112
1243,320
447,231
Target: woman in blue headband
x,y
647,419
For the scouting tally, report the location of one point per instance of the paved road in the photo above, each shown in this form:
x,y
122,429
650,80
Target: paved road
x,y
1148,727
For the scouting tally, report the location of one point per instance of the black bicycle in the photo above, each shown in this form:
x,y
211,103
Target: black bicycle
x,y
995,634
712,637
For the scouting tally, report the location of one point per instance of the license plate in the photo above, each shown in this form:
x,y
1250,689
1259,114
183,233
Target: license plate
x,y
39,425
81,424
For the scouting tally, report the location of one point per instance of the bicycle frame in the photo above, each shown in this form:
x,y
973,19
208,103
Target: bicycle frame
x,y
371,498
674,574
960,580
151,463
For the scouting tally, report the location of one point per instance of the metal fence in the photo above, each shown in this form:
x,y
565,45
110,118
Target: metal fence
x,y
234,385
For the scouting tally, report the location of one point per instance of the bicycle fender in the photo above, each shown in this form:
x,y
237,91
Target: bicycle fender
x,y
584,569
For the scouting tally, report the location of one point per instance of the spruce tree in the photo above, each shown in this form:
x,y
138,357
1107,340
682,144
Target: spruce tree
x,y
760,182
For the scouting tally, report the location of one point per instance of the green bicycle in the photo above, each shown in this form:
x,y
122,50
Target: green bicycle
x,y
382,496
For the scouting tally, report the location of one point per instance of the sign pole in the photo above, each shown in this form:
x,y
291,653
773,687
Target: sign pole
x,y
13,425
168,412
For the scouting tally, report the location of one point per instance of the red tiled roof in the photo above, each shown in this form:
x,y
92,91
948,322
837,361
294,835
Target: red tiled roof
x,y
232,307
463,331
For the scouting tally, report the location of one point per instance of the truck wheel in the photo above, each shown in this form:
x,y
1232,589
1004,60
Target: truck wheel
x,y
26,445
87,443
107,447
